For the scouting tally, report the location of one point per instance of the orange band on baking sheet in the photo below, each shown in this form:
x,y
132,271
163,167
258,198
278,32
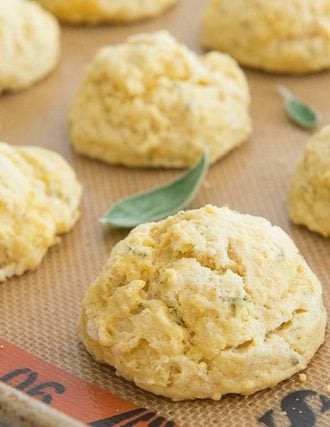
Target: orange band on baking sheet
x,y
70,394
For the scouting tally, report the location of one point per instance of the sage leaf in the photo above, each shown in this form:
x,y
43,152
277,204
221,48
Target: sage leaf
x,y
300,113
157,203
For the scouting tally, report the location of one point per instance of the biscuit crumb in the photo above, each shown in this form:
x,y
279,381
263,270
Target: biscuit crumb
x,y
2,346
303,378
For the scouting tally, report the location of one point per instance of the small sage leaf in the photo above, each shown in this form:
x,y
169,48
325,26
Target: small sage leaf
x,y
158,203
300,113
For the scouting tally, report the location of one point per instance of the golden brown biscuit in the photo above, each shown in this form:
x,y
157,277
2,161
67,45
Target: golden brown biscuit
x,y
274,35
204,303
94,11
29,44
153,102
309,200
39,199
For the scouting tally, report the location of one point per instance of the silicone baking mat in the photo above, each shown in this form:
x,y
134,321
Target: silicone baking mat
x,y
39,310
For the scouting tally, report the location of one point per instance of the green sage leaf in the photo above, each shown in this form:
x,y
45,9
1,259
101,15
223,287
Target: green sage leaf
x,y
158,203
300,113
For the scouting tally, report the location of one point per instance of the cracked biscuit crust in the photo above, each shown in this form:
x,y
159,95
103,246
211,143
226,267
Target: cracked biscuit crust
x,y
309,200
94,11
204,303
274,35
29,44
39,199
153,102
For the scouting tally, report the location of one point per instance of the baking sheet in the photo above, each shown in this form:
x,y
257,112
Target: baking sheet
x,y
39,311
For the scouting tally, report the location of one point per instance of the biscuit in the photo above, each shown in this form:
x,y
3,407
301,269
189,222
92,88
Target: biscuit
x,y
153,102
94,11
275,35
29,44
39,199
309,198
204,303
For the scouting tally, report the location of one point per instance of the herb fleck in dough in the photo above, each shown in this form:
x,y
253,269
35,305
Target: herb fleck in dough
x,y
204,303
39,199
153,102
309,199
93,11
29,44
274,35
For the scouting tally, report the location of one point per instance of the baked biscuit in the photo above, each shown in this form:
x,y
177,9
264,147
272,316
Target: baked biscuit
x,y
274,35
309,199
39,199
153,102
204,303
29,44
94,11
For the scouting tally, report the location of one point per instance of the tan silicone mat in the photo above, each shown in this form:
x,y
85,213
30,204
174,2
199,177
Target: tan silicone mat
x,y
39,311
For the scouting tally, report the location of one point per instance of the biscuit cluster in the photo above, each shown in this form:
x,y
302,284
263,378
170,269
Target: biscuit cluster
x,y
209,301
